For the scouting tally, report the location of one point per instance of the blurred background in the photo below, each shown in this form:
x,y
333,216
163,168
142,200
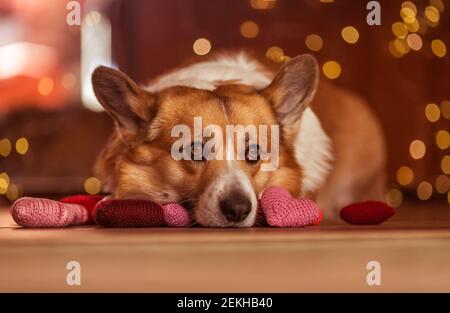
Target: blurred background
x,y
52,128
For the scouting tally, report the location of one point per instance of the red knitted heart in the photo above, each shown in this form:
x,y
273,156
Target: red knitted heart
x,y
367,213
282,210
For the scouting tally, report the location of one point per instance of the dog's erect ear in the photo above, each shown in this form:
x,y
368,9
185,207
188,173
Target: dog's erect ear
x,y
293,88
130,106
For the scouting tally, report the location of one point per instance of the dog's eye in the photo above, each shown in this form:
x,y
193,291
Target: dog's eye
x,y
197,151
252,154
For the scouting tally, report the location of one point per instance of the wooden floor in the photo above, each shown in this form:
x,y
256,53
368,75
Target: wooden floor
x,y
413,249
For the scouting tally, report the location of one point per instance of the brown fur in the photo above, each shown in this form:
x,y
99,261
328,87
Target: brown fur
x,y
137,161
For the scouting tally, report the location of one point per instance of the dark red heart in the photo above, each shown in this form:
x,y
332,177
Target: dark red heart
x,y
367,213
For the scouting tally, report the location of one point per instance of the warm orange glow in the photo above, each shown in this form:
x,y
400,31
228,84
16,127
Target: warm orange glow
x,y
350,34
405,175
202,46
45,86
332,69
417,149
314,42
424,190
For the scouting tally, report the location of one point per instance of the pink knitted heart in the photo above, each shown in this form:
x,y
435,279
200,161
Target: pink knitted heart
x,y
282,210
39,212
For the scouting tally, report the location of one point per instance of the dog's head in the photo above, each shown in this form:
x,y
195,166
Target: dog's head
x,y
179,145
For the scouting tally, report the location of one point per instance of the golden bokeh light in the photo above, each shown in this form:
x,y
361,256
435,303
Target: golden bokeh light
x,y
432,112
401,46
22,145
45,86
4,183
394,198
408,14
249,29
275,54
409,5
5,147
262,4
314,42
350,34
439,48
432,14
332,69
405,175
201,46
417,149
92,186
442,184
414,42
424,190
400,30
443,139
413,27
68,81
445,164
445,109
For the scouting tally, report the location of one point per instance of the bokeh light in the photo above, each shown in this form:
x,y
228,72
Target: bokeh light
x,y
350,34
332,69
445,164
432,14
408,14
68,81
202,46
45,86
22,145
4,183
442,184
405,175
249,29
432,112
275,54
394,198
439,48
92,185
5,147
263,4
314,42
400,30
424,190
414,42
417,149
443,139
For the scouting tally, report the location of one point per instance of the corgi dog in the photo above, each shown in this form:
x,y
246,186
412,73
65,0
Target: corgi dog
x,y
330,147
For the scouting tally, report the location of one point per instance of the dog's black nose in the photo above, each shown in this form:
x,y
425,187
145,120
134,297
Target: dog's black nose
x,y
236,207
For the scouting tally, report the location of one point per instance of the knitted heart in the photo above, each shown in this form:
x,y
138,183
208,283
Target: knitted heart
x,y
367,213
39,212
282,210
139,213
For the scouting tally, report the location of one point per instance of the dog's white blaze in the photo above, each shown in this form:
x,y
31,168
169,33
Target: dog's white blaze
x,y
313,146
209,207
